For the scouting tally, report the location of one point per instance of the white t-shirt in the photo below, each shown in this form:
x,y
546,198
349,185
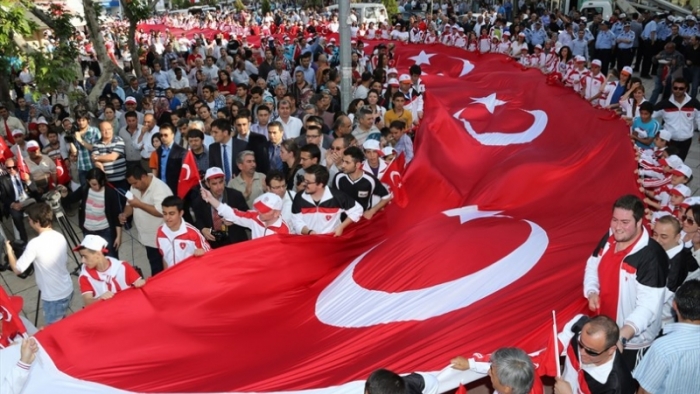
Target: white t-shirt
x,y
146,223
49,253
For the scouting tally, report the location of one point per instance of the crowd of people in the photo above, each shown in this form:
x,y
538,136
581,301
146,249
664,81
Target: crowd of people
x,y
280,153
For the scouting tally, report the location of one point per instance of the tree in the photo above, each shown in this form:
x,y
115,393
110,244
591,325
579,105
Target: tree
x,y
13,22
239,5
265,7
391,8
135,11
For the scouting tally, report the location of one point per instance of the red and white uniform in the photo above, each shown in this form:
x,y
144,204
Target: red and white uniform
x,y
471,47
431,38
118,277
447,39
461,42
592,85
575,77
549,61
484,44
176,246
494,46
504,47
536,60
525,60
251,221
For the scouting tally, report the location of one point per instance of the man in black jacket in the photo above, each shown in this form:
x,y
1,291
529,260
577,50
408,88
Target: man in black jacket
x,y
15,196
225,145
208,221
170,157
255,142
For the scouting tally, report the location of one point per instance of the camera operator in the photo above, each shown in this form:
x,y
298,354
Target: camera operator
x,y
217,231
49,253
15,196
101,276
99,209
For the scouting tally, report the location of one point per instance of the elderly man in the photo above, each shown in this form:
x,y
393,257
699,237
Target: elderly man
x,y
511,370
108,154
41,168
264,220
625,278
248,181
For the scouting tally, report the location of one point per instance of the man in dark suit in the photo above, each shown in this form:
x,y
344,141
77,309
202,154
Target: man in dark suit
x,y
225,145
170,157
316,123
15,196
255,142
207,219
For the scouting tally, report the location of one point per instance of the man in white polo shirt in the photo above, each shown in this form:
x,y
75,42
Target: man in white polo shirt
x,y
101,276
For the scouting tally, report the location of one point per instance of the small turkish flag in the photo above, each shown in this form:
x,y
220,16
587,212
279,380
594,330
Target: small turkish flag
x,y
5,151
62,171
22,165
393,176
189,175
461,389
10,322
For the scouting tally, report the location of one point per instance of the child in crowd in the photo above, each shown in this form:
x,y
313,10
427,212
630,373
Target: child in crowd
x,y
153,160
402,142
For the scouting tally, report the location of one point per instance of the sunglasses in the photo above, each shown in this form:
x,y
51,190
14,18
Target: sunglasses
x,y
589,351
678,88
684,218
11,167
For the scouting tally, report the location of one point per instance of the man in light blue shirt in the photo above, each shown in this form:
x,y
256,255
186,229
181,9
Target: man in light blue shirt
x,y
603,47
579,46
672,363
625,41
538,36
306,69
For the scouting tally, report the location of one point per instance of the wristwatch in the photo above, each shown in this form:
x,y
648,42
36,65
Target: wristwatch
x,y
623,341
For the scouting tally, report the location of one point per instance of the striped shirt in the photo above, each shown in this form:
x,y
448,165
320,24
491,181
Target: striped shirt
x,y
95,217
116,169
672,364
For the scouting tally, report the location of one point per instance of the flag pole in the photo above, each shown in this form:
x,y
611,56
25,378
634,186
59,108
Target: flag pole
x,y
556,343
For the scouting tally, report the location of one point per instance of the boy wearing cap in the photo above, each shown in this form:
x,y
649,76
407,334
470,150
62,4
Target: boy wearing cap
x,y
264,220
178,240
679,176
592,83
20,146
576,74
101,276
373,165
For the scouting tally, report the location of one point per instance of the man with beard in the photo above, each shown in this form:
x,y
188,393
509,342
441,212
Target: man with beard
x,y
625,279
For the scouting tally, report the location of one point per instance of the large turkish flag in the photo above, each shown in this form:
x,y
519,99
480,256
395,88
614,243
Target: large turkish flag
x,y
511,186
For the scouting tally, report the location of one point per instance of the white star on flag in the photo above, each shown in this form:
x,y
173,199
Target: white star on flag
x,y
490,102
422,58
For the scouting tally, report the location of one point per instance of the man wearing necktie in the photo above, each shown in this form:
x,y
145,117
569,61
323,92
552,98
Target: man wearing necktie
x,y
14,196
223,152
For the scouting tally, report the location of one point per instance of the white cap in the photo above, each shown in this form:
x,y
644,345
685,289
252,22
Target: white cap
x,y
94,243
596,62
32,145
214,172
628,70
393,82
521,34
580,59
372,145
388,151
583,19
538,46
16,132
683,170
405,78
41,120
681,190
392,71
665,135
506,33
268,202
130,99
690,18
695,200
623,15
672,161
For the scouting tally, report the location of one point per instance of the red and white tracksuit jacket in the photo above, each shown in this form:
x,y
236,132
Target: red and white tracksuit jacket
x,y
592,85
574,77
176,246
251,221
118,277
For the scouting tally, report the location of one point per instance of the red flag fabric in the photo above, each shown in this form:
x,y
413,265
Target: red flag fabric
x,y
5,151
393,177
511,185
8,134
461,389
62,171
12,325
22,167
545,361
189,175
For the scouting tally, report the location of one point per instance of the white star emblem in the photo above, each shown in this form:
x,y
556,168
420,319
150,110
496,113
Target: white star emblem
x,y
422,58
490,102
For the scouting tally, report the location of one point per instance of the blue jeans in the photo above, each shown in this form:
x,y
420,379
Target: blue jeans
x,y
692,75
659,88
56,310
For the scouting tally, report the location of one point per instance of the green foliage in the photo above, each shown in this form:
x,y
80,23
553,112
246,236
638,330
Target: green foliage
x,y
180,4
265,7
391,8
138,10
239,5
12,21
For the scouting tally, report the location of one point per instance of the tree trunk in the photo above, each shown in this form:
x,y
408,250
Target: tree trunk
x,y
96,92
134,49
5,97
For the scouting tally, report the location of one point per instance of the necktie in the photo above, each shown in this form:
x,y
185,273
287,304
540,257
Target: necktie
x,y
276,159
227,164
20,190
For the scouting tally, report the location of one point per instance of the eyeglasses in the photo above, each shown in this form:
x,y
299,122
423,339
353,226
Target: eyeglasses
x,y
589,351
684,218
307,182
11,167
678,88
312,135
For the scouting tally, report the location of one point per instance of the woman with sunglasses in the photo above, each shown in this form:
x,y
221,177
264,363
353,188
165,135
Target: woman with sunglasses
x,y
689,221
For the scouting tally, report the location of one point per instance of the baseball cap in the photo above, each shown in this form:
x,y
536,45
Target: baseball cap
x,y
665,135
672,161
17,132
32,145
521,34
214,172
372,145
352,42
627,70
683,170
41,120
695,200
506,33
690,18
538,46
393,82
268,202
387,151
680,190
392,71
580,59
596,62
92,242
404,78
130,100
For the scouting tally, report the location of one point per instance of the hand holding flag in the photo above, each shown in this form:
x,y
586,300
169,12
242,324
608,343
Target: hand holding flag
x,y
393,176
189,175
